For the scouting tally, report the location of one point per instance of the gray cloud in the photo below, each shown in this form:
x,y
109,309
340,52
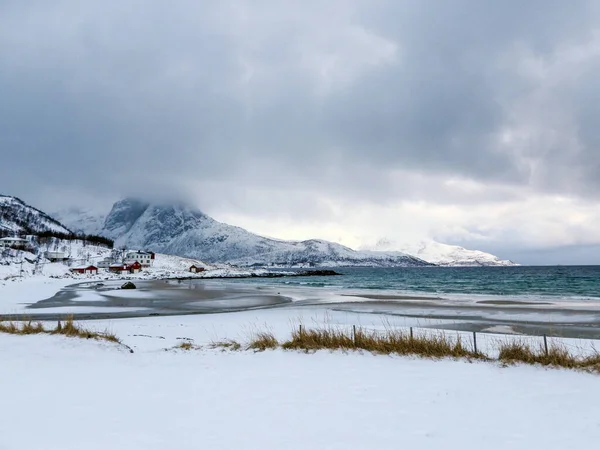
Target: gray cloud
x,y
373,101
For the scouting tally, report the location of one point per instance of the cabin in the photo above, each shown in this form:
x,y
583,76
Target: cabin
x,y
118,268
55,256
196,269
121,269
134,268
88,270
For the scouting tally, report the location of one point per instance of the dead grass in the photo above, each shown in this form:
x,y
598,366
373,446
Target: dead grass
x,y
438,345
519,351
186,345
262,341
67,328
226,344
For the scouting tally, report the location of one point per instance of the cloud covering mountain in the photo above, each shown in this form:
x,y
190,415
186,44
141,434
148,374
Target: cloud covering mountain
x,y
469,122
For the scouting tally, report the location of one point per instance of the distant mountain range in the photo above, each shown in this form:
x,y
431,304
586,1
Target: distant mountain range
x,y
184,231
442,254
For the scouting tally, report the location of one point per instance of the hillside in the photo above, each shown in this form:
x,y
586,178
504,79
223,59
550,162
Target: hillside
x,y
16,217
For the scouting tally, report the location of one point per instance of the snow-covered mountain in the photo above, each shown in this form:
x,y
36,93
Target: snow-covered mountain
x,y
81,220
17,217
180,230
442,254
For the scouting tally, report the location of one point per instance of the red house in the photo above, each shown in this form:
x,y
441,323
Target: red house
x,y
196,269
134,268
89,270
118,268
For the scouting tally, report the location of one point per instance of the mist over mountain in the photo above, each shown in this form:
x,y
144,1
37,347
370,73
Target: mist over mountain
x,y
176,228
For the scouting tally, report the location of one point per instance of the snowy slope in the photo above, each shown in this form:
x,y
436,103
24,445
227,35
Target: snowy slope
x,y
443,254
181,230
16,263
16,217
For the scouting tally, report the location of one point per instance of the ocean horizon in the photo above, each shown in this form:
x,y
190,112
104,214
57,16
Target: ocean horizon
x,y
529,282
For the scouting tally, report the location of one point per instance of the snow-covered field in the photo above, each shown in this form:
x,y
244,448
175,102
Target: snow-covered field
x,y
72,394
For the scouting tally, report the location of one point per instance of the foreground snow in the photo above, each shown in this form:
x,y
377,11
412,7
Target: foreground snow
x,y
72,394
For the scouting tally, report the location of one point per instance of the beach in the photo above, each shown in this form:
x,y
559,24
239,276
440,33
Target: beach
x,y
96,300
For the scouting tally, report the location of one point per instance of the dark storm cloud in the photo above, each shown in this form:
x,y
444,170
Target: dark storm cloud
x,y
108,98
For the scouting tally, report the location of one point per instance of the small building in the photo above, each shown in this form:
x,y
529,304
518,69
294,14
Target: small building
x,y
121,269
106,263
88,270
118,268
134,268
55,256
196,269
13,242
144,258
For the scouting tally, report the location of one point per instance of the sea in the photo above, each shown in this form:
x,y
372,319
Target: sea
x,y
535,282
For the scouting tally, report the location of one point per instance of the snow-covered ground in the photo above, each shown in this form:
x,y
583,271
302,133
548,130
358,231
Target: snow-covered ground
x,y
72,394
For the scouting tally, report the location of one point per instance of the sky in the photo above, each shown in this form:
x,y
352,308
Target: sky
x,y
469,122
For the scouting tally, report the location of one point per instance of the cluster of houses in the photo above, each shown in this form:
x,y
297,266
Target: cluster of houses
x,y
132,262
121,262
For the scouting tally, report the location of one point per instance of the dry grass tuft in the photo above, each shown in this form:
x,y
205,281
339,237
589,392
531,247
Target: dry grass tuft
x,y
390,341
227,344
68,328
519,351
22,327
262,341
186,345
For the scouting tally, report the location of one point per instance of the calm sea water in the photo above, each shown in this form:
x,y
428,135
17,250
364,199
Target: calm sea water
x,y
555,281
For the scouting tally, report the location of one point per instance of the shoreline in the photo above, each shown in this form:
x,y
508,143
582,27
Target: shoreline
x,y
103,299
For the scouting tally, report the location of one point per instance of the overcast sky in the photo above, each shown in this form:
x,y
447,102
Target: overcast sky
x,y
472,122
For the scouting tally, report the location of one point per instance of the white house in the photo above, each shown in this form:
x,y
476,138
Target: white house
x,y
144,258
106,263
55,256
12,241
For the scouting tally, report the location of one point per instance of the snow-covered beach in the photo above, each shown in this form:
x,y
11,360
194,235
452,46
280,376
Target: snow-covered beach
x,y
96,395
160,396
